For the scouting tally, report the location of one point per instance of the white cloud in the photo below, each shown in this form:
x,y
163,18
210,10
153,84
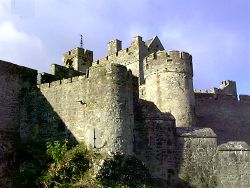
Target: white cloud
x,y
19,47
5,7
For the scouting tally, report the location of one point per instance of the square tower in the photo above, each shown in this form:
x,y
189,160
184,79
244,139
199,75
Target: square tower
x,y
114,46
78,59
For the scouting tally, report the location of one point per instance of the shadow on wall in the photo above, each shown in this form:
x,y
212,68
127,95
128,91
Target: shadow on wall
x,y
155,144
194,155
39,121
225,114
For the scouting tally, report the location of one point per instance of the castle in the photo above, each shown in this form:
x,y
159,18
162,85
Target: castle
x,y
138,100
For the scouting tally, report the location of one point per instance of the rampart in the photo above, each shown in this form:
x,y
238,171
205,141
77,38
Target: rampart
x,y
232,165
195,149
96,109
15,80
227,115
58,72
154,139
227,87
79,52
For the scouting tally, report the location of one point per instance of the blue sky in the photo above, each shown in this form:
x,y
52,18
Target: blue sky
x,y
35,33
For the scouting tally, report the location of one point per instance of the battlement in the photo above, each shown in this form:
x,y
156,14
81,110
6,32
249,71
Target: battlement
x,y
79,52
113,57
61,82
227,87
94,72
179,55
171,55
162,55
244,98
118,55
173,61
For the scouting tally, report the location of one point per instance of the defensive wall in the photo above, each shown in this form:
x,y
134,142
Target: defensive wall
x,y
232,165
154,138
14,81
227,115
97,109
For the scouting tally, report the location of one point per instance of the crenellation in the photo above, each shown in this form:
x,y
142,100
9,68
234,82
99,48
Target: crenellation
x,y
162,61
174,54
244,98
60,82
227,87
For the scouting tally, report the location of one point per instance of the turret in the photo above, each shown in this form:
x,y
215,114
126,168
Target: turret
x,y
169,84
78,59
114,46
228,87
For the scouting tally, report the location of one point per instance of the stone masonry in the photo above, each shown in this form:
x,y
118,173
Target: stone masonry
x,y
137,101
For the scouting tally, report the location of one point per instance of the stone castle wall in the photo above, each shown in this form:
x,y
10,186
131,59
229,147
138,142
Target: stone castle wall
x,y
14,81
131,57
154,139
195,150
97,110
225,114
169,84
232,165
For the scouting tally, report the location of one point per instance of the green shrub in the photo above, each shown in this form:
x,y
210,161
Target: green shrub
x,y
123,171
56,149
68,166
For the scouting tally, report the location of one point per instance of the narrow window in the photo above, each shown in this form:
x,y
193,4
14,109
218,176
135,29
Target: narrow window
x,y
134,144
150,141
94,139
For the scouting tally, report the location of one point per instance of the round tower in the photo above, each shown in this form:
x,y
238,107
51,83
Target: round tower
x,y
109,114
169,84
